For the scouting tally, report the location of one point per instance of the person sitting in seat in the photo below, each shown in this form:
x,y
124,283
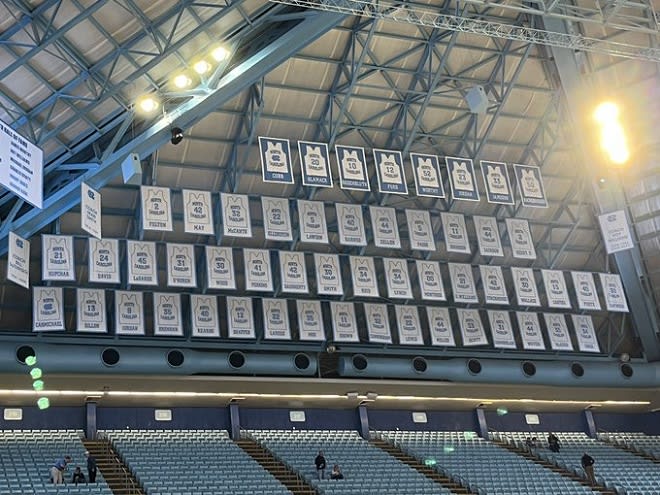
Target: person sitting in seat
x,y
553,442
336,473
78,476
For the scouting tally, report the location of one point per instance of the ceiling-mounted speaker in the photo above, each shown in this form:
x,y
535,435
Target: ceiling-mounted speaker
x,y
477,100
131,170
177,135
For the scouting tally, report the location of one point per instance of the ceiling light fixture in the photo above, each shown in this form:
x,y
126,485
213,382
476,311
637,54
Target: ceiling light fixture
x,y
202,67
147,104
219,53
182,81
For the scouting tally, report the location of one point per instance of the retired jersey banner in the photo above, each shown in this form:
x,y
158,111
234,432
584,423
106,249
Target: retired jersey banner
x,y
276,319
397,278
378,323
488,236
167,314
420,230
129,313
440,326
407,321
462,179
389,171
616,231
312,224
240,320
555,289
350,222
156,208
328,274
428,180
90,210
315,164
456,237
498,185
530,331
615,297
258,275
204,316
18,260
220,268
525,284
363,274
472,330
344,326
57,258
530,186
430,280
276,163
384,227
90,311
522,245
586,333
236,215
462,283
585,291
352,166
501,330
277,219
197,212
103,258
492,280
560,340
47,309
310,320
141,258
293,272
181,265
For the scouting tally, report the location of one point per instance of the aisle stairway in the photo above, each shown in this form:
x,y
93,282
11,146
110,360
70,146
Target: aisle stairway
x,y
116,473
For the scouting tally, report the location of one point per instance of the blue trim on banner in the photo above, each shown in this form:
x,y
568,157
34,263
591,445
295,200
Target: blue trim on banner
x,y
352,166
389,171
315,164
462,179
497,182
426,172
275,155
530,186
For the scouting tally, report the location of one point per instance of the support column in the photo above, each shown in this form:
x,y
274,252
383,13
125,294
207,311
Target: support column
x,y
90,420
591,423
234,421
482,425
364,422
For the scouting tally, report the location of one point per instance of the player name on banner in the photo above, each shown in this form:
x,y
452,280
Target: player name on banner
x,y
615,297
328,274
501,330
350,222
462,283
586,333
240,320
310,320
440,326
204,316
167,314
378,323
181,270
616,231
585,291
555,289
90,210
384,227
258,275
420,230
488,236
47,309
277,219
344,326
530,331
530,186
560,340
293,272
462,179
311,216
363,274
525,284
22,167
276,163
456,237
492,280
397,278
498,185
18,260
57,259
129,313
156,208
390,172
103,260
315,163
352,166
142,263
197,212
522,245
407,321
220,268
430,280
426,170
276,319
236,215
91,313
472,330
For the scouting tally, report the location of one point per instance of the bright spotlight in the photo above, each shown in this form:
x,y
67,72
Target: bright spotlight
x,y
202,67
148,104
182,81
612,136
220,53
606,112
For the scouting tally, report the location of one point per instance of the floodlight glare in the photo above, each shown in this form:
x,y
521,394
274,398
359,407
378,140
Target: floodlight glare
x,y
38,385
502,411
43,403
201,67
182,81
31,360
147,104
606,112
220,53
35,373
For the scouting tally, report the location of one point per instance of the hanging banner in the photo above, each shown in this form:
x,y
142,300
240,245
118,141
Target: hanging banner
x,y
57,259
258,275
472,329
384,227
276,319
328,274
311,217
141,258
616,231
103,258
315,163
456,237
90,311
378,323
522,245
389,171
525,284
310,320
90,210
488,236
420,230
22,170
276,163
236,215
47,309
530,186
156,208
344,326
220,268
586,333
530,331
240,321
615,297
555,289
293,272
462,283
277,219
428,180
397,278
18,260
197,212
492,280
350,222
204,316
462,179
352,166
430,280
407,321
167,314
498,185
501,330
560,340
585,291
363,273
440,326
181,270
129,313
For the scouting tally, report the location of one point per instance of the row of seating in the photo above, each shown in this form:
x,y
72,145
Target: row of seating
x,y
640,442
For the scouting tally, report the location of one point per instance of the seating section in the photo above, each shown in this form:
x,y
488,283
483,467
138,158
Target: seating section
x,y
480,464
191,462
367,469
27,456
641,442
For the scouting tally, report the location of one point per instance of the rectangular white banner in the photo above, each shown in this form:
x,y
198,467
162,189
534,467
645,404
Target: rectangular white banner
x,y
390,172
18,260
384,227
530,331
310,320
615,297
522,245
204,316
426,171
430,280
91,313
47,309
462,283
129,312
315,164
462,179
525,284
585,291
488,236
240,320
236,215
352,166
586,333
276,319
220,268
555,289
616,231
397,278
408,324
312,223
156,208
276,162
258,275
420,230
328,274
492,280
167,314
198,212
498,185
22,170
350,222
181,266
90,210
378,323
103,261
277,218
472,330
456,237
501,330
530,186
344,325
141,258
363,274
440,326
293,272
57,257
560,340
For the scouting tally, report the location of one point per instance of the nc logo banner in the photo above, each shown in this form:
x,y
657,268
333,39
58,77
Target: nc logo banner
x,y
498,185
426,172
275,157
530,186
315,164
462,179
390,173
352,166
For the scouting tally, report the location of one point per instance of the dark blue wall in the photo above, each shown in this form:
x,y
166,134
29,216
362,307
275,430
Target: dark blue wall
x,y
648,423
316,419
54,418
390,419
515,421
183,418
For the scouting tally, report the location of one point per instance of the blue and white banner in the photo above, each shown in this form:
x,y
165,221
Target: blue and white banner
x,y
586,333
277,219
328,274
220,268
522,245
472,330
492,280
456,236
440,327
462,179
236,215
352,165
488,236
142,269
390,172
310,320
312,224
530,331
498,185
315,164
378,323
530,186
525,284
363,274
276,319
156,208
197,212
408,324
293,272
129,313
258,275
615,297
555,289
240,318
90,210
91,313
57,258
18,260
616,231
344,325
501,330
430,280
167,314
560,339
384,227
181,267
397,278
426,171
462,283
47,309
420,230
350,222
276,163
204,316
585,291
